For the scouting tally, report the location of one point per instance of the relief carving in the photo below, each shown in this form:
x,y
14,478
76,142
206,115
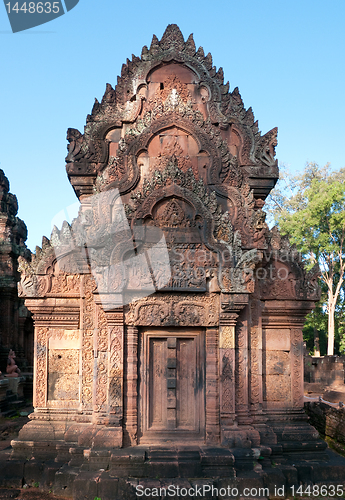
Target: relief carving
x,y
102,382
116,369
227,337
41,367
182,310
87,348
169,148
227,380
297,367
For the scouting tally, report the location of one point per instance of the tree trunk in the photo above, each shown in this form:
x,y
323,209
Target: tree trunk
x,y
316,342
331,310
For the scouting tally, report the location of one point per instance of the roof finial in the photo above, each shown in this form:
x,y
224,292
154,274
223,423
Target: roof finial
x,y
172,37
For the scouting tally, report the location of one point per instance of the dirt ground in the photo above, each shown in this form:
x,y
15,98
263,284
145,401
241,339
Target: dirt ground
x,y
27,494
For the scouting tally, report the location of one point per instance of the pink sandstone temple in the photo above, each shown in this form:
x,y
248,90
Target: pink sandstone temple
x,y
168,317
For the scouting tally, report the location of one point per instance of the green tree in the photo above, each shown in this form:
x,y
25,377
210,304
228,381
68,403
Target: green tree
x,y
310,209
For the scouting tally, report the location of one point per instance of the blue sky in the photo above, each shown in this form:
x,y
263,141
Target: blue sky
x,y
287,58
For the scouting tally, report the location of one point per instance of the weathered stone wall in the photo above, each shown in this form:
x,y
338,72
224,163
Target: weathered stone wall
x,y
324,370
16,328
328,420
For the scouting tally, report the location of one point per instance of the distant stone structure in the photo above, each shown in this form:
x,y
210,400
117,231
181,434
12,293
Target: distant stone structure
x,y
16,327
325,370
171,171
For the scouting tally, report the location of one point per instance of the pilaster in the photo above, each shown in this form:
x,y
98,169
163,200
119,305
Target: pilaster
x,y
212,390
131,385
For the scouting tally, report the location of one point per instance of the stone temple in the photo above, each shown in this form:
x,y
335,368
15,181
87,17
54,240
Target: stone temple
x,y
168,317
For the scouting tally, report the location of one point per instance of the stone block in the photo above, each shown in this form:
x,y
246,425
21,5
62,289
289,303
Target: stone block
x,y
16,385
49,471
99,461
63,452
64,479
108,487
334,473
33,472
4,385
85,486
290,474
278,388
162,469
267,436
274,478
86,436
249,480
305,473
189,468
208,485
276,339
108,437
77,456
12,474
73,431
277,363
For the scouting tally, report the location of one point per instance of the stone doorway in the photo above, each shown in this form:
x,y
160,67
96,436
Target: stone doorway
x,y
172,395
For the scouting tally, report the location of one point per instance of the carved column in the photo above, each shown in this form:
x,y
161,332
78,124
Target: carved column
x,y
241,370
227,323
297,379
212,393
131,384
107,375
100,367
282,329
87,354
55,323
40,367
255,358
115,368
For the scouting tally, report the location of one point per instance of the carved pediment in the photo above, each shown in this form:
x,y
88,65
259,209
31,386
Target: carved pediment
x,y
171,79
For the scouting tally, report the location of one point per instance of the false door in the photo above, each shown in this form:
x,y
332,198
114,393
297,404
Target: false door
x,y
172,386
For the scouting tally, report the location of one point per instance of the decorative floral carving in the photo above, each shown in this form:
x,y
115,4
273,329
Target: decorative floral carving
x,y
227,380
227,337
87,349
102,335
297,367
101,383
116,369
182,310
41,367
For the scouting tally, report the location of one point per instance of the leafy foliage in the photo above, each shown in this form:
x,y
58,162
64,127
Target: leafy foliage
x,y
310,209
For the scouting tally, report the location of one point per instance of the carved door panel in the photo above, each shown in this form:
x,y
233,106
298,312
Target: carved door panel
x,y
172,389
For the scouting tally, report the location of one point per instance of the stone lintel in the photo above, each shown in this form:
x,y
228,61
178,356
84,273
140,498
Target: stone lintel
x,y
55,312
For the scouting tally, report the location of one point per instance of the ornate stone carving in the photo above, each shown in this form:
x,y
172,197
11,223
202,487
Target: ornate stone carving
x,y
212,390
87,348
169,159
131,416
282,275
40,395
227,379
179,310
211,102
297,367
116,369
